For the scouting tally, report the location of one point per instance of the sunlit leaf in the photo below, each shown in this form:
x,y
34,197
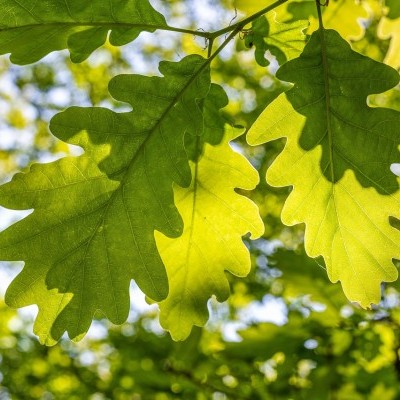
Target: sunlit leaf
x,y
337,158
284,41
251,6
215,219
371,45
342,15
390,29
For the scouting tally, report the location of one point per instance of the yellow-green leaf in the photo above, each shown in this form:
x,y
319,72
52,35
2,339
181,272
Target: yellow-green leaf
x,y
337,158
215,219
251,6
390,29
284,40
342,15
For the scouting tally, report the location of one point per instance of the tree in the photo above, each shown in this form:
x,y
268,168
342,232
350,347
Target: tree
x,y
160,196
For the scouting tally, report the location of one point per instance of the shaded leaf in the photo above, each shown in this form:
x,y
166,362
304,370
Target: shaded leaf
x,y
337,158
394,8
213,123
92,228
284,41
31,29
215,219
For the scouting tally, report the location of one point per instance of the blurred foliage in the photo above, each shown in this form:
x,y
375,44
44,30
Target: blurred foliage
x,y
326,349
286,332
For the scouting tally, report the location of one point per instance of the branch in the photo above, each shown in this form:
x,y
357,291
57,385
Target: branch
x,y
241,24
235,27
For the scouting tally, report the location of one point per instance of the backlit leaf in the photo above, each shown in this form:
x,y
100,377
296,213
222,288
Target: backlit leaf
x,y
251,6
31,29
342,15
371,45
390,29
215,219
337,158
284,41
92,230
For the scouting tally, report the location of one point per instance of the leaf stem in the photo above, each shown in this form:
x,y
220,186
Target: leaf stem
x,y
319,5
210,47
224,44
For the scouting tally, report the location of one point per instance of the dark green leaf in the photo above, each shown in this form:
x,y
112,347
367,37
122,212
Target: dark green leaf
x,y
31,29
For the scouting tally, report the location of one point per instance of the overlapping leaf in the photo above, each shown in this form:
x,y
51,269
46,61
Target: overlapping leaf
x,y
284,41
215,219
92,228
337,158
31,29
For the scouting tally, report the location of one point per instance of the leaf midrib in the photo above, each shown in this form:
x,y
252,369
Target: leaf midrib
x,y
325,67
156,127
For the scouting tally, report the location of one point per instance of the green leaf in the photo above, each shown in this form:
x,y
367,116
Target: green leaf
x,y
390,29
215,219
92,230
214,123
284,41
31,29
337,158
